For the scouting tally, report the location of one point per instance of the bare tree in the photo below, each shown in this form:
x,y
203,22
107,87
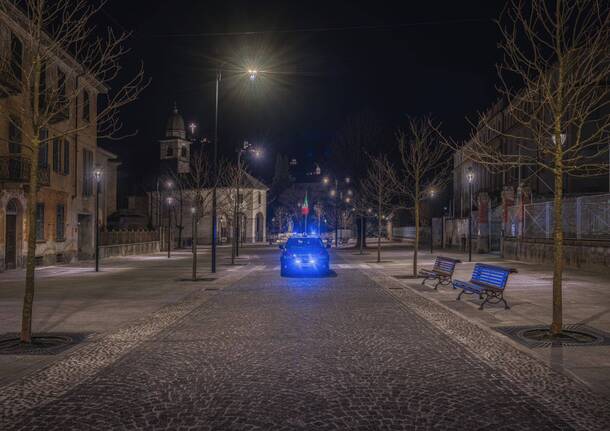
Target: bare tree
x,y
237,197
554,84
59,31
424,168
379,189
197,186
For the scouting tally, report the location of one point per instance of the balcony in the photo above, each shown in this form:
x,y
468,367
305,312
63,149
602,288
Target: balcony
x,y
9,86
16,169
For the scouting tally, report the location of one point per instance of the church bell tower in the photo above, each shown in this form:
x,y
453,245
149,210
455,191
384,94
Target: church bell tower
x,y
175,149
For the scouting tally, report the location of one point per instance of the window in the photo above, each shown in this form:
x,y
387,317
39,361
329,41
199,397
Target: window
x,y
43,86
40,222
61,86
66,170
169,152
60,223
183,152
86,106
57,155
62,100
14,135
42,89
260,198
16,57
87,173
43,149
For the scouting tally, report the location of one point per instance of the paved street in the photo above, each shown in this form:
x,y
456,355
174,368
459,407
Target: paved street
x,y
251,350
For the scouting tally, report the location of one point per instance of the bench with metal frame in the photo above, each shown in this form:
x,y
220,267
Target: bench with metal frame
x,y
442,271
487,281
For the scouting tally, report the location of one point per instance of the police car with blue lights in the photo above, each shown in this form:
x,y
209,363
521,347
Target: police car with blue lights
x,y
303,255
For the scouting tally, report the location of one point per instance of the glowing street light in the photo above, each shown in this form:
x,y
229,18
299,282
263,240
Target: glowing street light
x,y
97,174
470,177
170,201
325,180
333,193
253,73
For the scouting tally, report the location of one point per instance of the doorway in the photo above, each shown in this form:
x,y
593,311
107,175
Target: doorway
x,y
10,252
85,237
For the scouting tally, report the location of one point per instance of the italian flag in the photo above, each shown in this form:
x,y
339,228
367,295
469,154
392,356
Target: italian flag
x,y
305,207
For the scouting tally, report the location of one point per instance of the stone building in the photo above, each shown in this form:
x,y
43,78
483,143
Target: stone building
x,y
175,165
66,197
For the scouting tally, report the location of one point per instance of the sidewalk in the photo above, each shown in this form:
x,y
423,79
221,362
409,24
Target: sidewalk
x,y
586,300
73,298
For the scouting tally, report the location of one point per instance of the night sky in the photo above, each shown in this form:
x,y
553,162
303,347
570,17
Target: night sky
x,y
313,80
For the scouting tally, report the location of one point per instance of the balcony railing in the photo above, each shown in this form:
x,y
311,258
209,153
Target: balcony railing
x,y
16,169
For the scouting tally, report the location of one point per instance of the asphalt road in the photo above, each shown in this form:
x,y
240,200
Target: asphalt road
x,y
265,352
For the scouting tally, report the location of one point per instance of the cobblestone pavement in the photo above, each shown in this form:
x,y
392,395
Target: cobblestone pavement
x,y
302,353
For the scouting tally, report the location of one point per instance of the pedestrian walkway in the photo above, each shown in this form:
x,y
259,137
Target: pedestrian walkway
x,y
529,292
267,352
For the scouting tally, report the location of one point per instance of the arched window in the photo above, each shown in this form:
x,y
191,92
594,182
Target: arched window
x,y
11,207
169,152
183,152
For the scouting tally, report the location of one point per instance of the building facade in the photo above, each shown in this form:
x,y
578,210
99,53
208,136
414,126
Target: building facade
x,y
65,209
175,166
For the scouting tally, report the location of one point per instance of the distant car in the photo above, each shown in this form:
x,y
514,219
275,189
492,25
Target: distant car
x,y
301,255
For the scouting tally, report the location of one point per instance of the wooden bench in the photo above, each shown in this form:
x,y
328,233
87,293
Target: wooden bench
x,y
487,281
442,271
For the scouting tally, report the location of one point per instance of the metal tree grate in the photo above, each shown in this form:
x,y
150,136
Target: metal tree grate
x,y
575,335
42,344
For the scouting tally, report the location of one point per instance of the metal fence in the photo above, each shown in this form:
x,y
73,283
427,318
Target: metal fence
x,y
117,237
584,217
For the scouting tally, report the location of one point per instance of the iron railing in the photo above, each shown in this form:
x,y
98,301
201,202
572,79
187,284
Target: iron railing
x,y
16,169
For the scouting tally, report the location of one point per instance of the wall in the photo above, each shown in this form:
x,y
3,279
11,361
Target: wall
x,y
594,255
138,248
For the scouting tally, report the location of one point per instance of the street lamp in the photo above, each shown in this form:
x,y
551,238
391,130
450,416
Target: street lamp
x,y
97,174
170,201
470,177
252,73
432,193
257,152
194,241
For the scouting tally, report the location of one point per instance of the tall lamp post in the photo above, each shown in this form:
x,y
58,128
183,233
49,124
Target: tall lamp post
x,y
97,174
214,175
170,201
432,193
252,75
337,196
246,148
194,241
470,177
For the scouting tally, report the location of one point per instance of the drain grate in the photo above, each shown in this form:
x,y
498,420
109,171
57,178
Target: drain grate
x,y
42,344
575,335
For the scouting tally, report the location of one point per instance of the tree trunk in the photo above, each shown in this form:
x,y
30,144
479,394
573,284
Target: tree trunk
x,y
379,227
416,243
28,299
361,226
194,244
557,247
361,234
